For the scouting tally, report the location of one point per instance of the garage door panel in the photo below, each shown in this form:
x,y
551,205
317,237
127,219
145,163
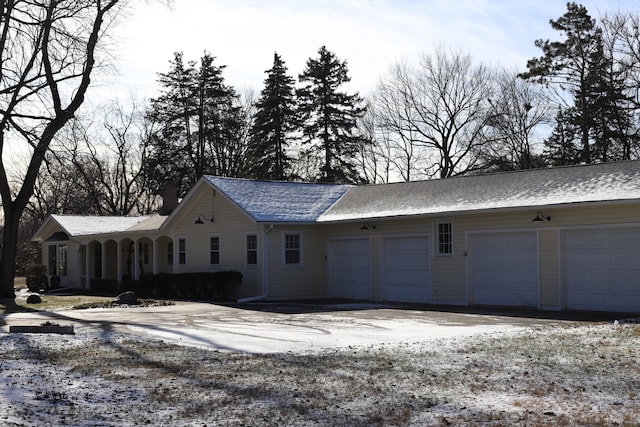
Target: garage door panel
x,y
504,269
602,269
406,269
350,273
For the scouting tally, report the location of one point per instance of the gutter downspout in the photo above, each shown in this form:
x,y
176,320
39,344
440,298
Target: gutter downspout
x,y
265,269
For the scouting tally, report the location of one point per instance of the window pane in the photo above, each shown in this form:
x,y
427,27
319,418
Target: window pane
x,y
444,238
292,256
182,251
214,250
292,249
252,249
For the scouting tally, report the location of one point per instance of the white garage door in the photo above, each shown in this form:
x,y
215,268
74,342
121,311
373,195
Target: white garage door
x,y
407,275
602,269
504,269
350,269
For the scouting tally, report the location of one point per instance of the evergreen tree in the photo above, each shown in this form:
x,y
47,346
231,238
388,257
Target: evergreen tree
x,y
196,121
329,117
273,123
562,148
575,64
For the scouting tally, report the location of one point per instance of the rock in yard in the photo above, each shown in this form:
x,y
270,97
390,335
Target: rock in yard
x,y
126,298
34,299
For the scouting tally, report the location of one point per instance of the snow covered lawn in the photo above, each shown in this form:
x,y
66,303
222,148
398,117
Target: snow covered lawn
x,y
564,373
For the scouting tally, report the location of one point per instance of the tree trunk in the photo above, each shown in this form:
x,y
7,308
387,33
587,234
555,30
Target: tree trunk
x,y
8,262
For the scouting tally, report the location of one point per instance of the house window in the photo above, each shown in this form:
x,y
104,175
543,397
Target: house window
x,y
62,260
445,238
214,250
292,254
252,249
169,253
182,251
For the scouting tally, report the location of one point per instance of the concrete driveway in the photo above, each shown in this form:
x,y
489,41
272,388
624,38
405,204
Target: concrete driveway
x,y
268,328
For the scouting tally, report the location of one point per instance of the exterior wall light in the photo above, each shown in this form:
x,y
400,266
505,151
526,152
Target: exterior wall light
x,y
200,219
540,217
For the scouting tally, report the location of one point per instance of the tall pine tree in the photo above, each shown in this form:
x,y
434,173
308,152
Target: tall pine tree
x,y
575,64
196,120
329,117
273,123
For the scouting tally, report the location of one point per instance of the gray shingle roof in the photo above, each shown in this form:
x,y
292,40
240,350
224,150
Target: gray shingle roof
x,y
80,225
275,201
529,188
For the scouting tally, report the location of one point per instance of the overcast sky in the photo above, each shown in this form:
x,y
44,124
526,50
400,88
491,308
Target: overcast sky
x,y
369,34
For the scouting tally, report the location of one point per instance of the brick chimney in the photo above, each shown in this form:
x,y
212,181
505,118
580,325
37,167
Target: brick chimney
x,y
169,198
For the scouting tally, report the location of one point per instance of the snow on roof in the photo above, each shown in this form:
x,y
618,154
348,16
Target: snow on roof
x,y
528,188
85,225
149,223
276,201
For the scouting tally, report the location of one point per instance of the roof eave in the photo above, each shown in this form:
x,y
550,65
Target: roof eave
x,y
615,202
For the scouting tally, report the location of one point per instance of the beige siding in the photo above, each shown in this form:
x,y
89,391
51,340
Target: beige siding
x,y
231,225
307,280
449,273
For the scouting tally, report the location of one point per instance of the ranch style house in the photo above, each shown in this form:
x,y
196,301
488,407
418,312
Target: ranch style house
x,y
558,238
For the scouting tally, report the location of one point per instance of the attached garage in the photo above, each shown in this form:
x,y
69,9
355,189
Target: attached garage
x,y
406,269
601,269
503,269
350,268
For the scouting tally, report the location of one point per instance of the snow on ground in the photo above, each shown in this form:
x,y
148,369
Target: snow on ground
x,y
359,365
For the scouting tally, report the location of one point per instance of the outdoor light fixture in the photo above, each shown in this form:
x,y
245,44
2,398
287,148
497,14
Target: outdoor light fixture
x,y
200,219
539,217
366,226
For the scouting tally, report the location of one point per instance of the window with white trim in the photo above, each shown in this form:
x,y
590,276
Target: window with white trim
x,y
292,249
252,249
182,250
445,238
214,250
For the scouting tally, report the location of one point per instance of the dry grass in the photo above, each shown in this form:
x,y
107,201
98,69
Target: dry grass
x,y
577,375
54,302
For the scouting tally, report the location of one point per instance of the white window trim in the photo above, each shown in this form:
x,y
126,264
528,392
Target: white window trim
x,y
177,249
300,249
436,233
219,250
246,250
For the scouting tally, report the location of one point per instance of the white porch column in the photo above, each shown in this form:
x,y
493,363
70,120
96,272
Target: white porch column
x,y
87,256
136,254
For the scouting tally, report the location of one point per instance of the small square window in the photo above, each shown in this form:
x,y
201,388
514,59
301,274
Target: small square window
x,y
445,238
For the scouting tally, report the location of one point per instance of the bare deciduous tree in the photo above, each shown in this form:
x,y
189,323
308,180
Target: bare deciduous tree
x,y
107,159
519,109
439,105
48,51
